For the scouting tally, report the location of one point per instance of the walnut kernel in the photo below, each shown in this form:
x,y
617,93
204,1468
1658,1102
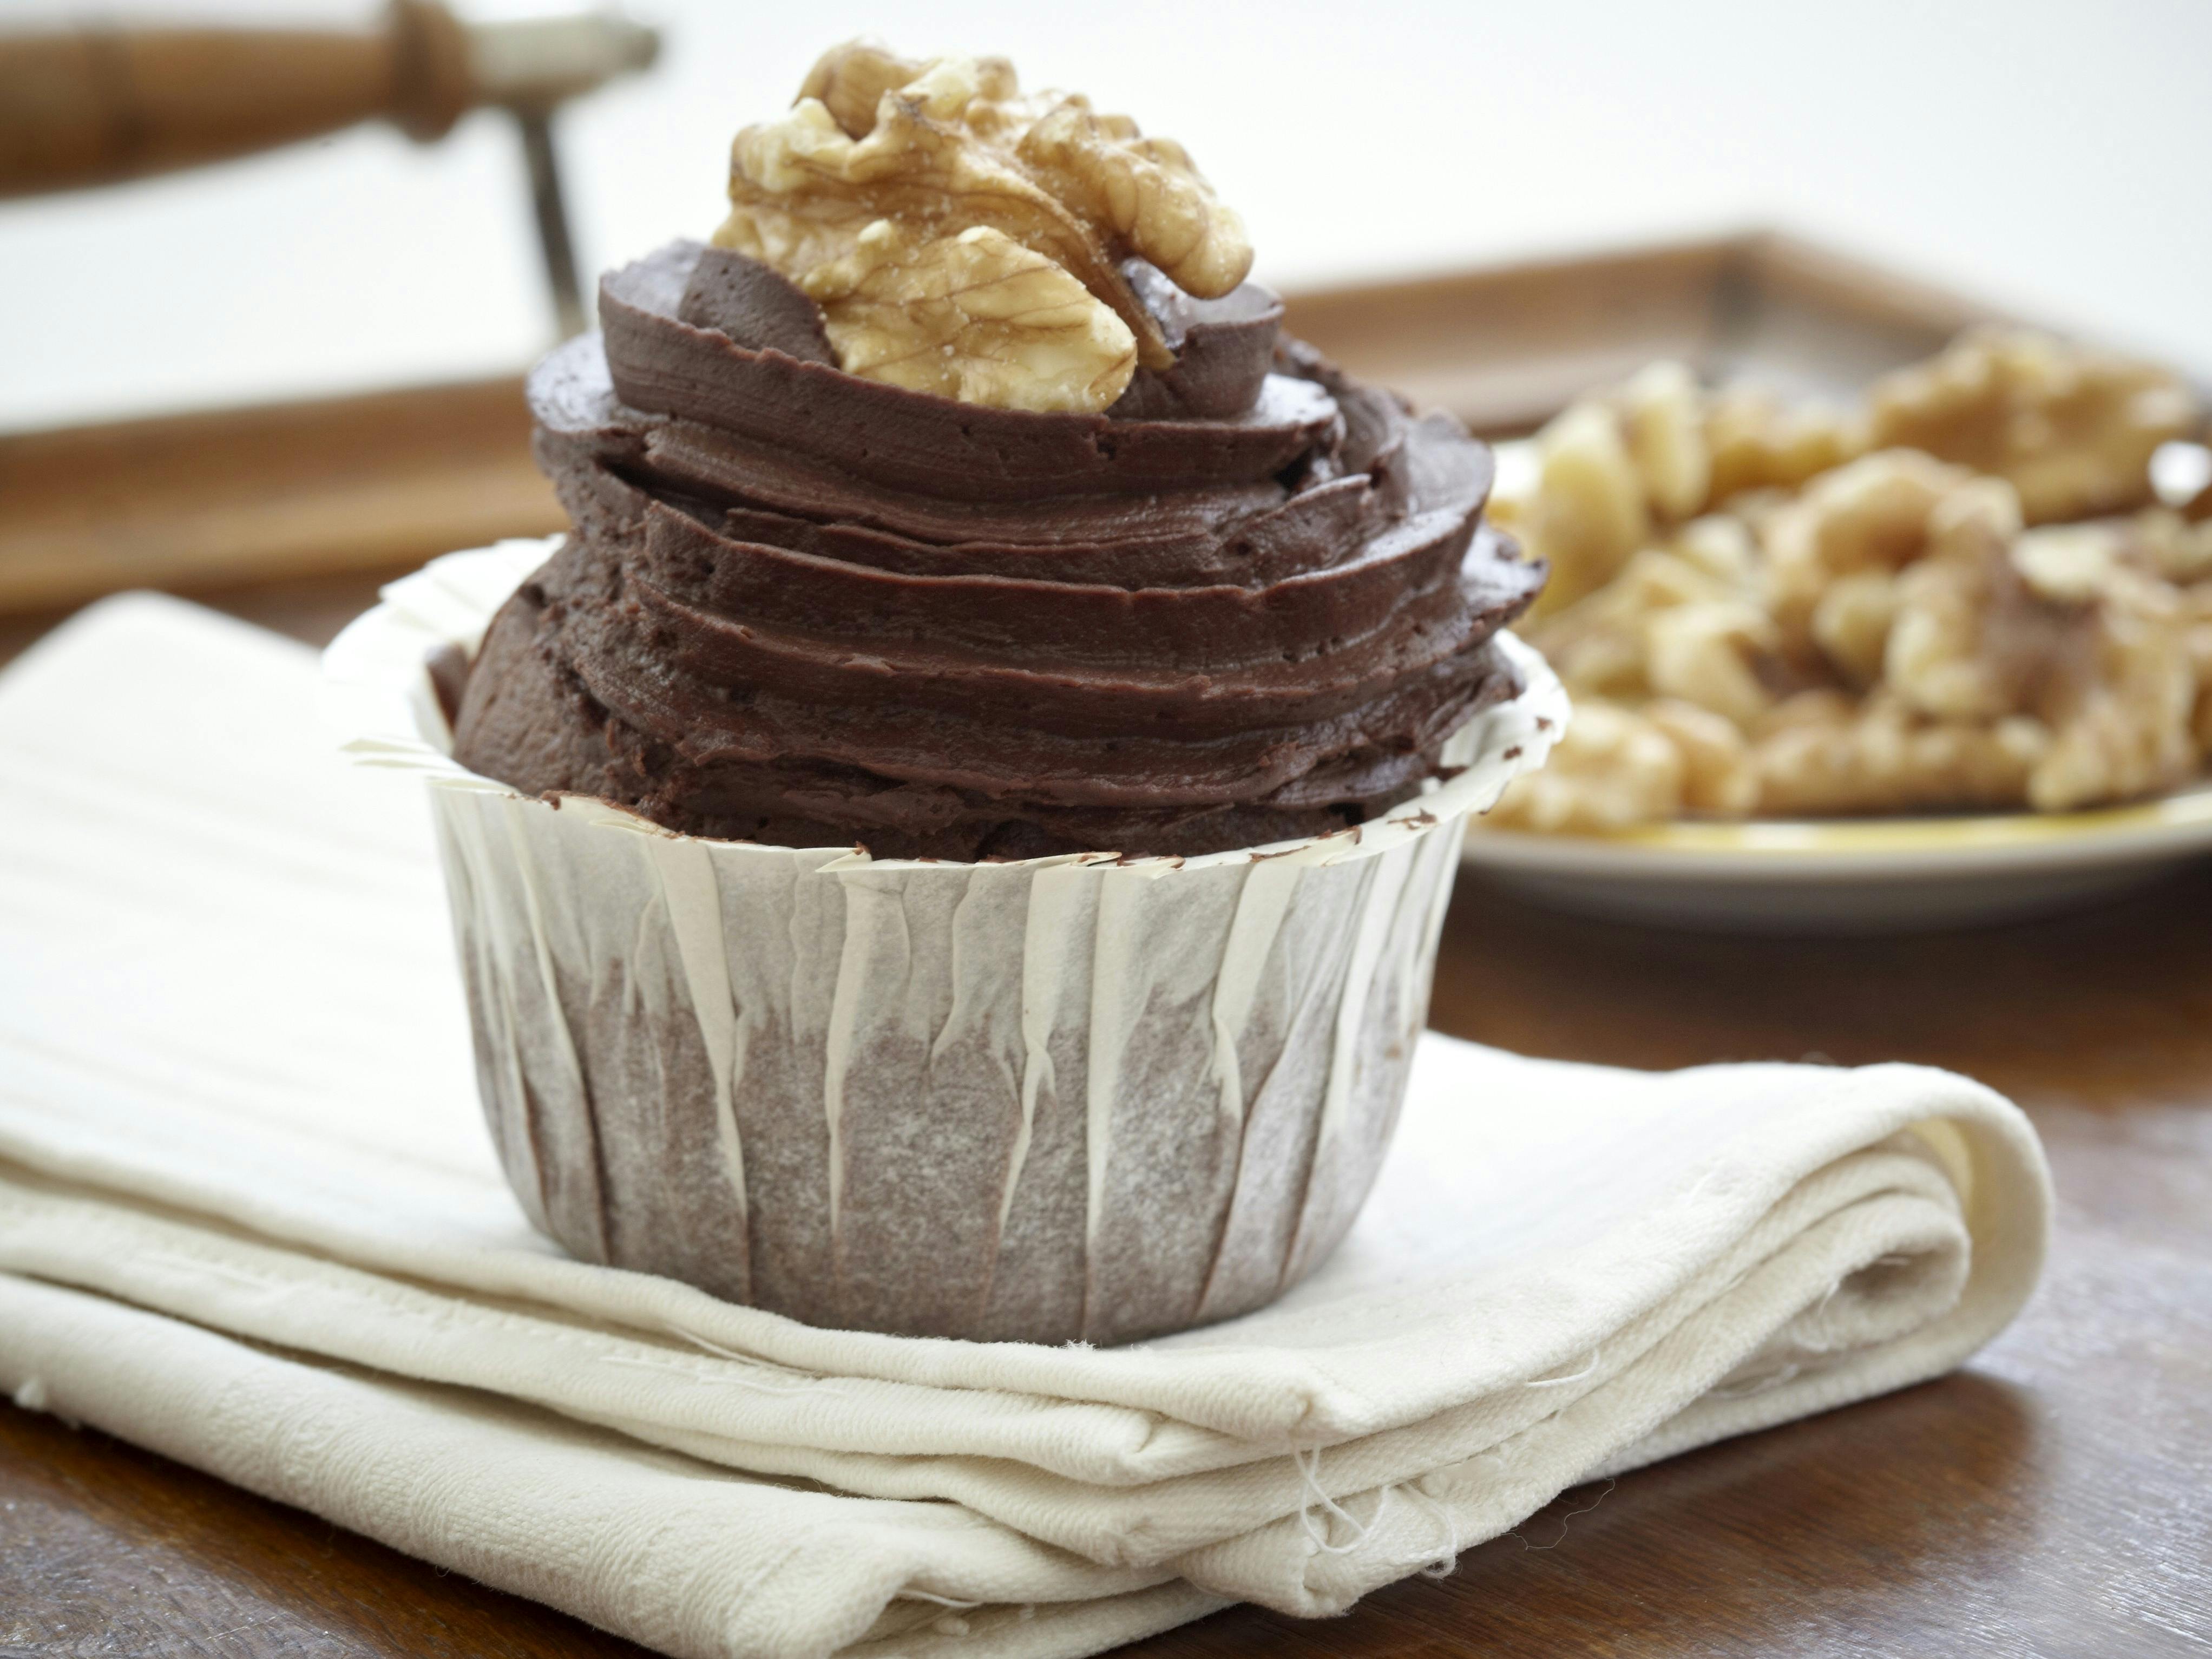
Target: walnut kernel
x,y
1881,757
1588,513
2123,705
1757,441
2071,429
1719,779
1662,416
938,149
1870,515
1612,767
976,317
1706,654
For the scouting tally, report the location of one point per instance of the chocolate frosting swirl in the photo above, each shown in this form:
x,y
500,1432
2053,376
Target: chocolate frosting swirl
x,y
1248,603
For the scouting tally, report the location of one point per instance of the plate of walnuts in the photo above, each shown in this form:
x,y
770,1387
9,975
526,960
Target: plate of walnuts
x,y
1941,654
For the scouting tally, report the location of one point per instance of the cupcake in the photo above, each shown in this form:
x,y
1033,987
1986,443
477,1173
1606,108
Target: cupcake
x,y
953,842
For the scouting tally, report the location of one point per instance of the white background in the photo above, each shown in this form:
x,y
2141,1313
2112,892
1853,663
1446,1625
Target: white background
x,y
2054,158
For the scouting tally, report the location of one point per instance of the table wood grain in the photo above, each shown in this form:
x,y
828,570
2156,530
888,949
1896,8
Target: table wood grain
x,y
2053,1499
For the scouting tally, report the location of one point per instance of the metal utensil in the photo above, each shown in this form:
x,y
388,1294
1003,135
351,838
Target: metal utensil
x,y
99,103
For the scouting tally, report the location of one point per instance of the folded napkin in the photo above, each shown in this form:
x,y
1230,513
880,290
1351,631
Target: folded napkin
x,y
249,1217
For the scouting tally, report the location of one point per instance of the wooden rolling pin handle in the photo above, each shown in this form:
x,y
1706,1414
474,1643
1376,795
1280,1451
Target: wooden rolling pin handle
x,y
92,105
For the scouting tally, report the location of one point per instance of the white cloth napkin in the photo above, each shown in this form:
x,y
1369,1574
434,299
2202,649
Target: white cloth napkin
x,y
249,1217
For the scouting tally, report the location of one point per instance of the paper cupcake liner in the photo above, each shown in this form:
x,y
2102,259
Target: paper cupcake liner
x,y
1073,1097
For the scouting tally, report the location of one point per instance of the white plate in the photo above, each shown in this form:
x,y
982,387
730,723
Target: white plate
x,y
1862,876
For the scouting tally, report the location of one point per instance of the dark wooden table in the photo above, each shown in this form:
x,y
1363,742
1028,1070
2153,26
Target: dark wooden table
x,y
2053,1499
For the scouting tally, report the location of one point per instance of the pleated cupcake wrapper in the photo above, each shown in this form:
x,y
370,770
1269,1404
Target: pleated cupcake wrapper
x,y
1074,1098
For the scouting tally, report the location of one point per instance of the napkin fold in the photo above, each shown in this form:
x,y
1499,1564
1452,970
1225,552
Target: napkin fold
x,y
249,1217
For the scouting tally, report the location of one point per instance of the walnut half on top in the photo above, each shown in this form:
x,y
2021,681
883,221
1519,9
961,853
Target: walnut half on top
x,y
964,239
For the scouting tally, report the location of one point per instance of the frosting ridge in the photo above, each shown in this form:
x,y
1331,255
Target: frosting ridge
x,y
1248,603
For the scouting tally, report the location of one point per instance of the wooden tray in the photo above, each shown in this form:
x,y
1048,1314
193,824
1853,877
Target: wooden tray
x,y
296,492
1507,347
364,487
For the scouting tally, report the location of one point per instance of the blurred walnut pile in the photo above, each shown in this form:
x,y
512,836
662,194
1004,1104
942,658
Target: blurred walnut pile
x,y
1960,594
